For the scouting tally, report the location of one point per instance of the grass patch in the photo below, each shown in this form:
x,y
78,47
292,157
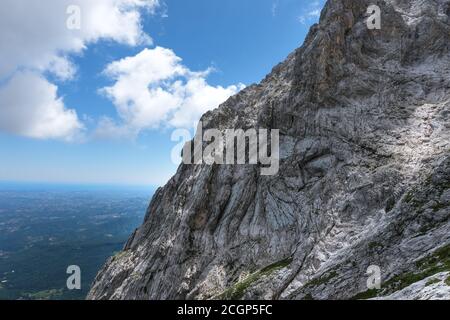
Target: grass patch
x,y
423,231
371,293
238,290
409,197
322,280
414,200
120,254
431,282
438,206
438,262
447,281
308,297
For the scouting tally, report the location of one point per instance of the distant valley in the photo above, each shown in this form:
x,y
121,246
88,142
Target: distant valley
x,y
45,229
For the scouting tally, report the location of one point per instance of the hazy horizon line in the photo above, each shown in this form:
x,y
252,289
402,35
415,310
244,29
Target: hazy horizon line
x,y
18,183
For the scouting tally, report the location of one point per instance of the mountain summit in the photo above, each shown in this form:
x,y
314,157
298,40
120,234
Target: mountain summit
x,y
363,183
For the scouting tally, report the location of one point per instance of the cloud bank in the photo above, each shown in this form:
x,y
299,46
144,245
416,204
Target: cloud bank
x,y
154,89
36,112
37,42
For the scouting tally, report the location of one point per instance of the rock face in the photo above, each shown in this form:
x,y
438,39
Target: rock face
x,y
364,179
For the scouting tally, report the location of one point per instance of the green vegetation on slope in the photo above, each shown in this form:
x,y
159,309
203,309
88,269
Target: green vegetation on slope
x,y
447,281
437,262
238,290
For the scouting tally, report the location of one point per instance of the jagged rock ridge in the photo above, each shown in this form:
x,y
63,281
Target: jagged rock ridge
x,y
364,176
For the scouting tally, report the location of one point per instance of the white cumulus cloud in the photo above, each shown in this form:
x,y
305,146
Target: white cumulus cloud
x,y
35,33
36,41
30,107
154,89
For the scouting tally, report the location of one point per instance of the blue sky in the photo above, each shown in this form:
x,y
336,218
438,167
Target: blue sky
x,y
93,133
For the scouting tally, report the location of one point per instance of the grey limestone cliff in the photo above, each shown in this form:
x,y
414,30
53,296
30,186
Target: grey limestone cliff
x,y
364,179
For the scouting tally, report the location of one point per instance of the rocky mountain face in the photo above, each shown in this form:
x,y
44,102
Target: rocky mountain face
x,y
364,179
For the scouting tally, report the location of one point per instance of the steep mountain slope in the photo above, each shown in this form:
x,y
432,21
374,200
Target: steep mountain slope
x,y
364,179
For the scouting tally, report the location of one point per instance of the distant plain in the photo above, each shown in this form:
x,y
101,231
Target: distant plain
x,y
44,228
